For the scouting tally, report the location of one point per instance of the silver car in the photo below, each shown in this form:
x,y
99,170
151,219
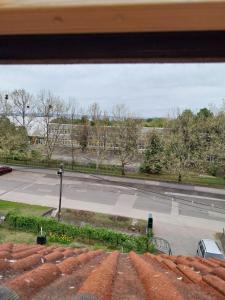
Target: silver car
x,y
209,248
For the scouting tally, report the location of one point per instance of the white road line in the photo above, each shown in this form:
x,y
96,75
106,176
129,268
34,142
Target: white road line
x,y
44,190
174,208
216,214
193,196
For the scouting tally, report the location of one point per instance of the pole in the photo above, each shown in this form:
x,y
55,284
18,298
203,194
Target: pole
x,y
60,173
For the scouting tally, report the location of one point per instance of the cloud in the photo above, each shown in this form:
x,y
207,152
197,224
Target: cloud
x,y
148,89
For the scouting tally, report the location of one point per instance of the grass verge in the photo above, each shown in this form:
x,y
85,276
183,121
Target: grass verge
x,y
21,208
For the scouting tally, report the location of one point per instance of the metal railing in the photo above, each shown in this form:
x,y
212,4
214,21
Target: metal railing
x,y
161,245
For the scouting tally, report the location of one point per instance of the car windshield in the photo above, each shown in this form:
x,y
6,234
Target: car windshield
x,y
219,256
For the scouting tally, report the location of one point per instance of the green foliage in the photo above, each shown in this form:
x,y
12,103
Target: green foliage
x,y
153,162
12,138
155,122
35,154
59,238
66,232
204,113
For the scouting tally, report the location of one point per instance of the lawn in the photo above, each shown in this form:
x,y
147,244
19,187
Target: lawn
x,y
12,236
22,208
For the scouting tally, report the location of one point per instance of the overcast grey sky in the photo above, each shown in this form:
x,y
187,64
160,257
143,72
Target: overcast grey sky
x,y
147,89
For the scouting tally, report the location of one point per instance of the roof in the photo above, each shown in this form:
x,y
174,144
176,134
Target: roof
x,y
39,272
211,246
107,16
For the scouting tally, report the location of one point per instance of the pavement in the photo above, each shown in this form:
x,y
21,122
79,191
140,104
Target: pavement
x,y
182,214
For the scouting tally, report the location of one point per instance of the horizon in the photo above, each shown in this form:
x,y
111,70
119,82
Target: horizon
x,y
149,90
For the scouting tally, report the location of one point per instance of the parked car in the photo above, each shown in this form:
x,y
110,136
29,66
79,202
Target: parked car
x,y
209,248
5,169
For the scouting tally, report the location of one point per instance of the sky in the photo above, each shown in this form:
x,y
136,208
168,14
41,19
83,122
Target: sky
x,y
148,90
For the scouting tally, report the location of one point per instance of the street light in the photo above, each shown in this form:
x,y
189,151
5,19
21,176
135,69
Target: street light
x,y
60,173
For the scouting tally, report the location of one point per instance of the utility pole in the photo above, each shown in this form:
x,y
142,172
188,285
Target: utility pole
x,y
60,173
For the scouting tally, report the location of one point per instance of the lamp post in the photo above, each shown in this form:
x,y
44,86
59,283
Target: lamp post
x,y
60,173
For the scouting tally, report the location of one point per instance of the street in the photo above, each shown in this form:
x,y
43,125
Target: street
x,y
182,214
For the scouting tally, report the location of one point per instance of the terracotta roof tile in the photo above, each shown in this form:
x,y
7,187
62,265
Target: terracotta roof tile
x,y
99,285
51,273
220,272
215,282
190,274
200,267
29,283
27,263
5,254
6,247
54,256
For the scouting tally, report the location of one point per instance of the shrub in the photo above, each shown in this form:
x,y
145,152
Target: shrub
x,y
62,238
65,233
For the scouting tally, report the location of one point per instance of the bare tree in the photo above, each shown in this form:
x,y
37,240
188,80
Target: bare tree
x,y
74,111
98,132
51,107
126,131
24,107
5,105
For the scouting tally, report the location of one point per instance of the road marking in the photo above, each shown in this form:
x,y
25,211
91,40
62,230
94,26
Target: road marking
x,y
174,208
44,190
193,196
216,214
80,190
27,186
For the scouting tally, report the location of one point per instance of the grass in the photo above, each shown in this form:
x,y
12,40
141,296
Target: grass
x,y
78,217
20,237
12,236
22,208
191,178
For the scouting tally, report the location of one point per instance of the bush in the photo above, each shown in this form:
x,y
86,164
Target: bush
x,y
216,170
65,233
154,168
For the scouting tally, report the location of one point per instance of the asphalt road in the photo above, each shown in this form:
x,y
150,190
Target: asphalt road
x,y
180,215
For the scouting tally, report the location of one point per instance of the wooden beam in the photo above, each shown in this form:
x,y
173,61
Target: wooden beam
x,y
119,16
198,46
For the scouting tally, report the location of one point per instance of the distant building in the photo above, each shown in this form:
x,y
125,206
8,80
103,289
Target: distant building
x,y
68,135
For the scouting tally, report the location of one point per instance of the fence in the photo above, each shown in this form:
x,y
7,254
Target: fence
x,y
223,239
76,167
161,245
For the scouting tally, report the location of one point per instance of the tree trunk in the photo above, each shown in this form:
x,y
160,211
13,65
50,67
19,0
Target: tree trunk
x,y
123,169
179,177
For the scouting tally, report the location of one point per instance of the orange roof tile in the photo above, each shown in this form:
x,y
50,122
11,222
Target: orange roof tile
x,y
37,272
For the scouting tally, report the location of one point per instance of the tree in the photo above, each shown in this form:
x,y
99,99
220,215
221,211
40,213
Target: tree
x,y
50,107
23,107
98,132
12,138
5,106
74,130
84,133
181,144
126,131
204,113
153,162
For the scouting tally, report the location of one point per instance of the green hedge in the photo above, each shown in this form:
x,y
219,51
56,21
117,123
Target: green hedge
x,y
111,238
